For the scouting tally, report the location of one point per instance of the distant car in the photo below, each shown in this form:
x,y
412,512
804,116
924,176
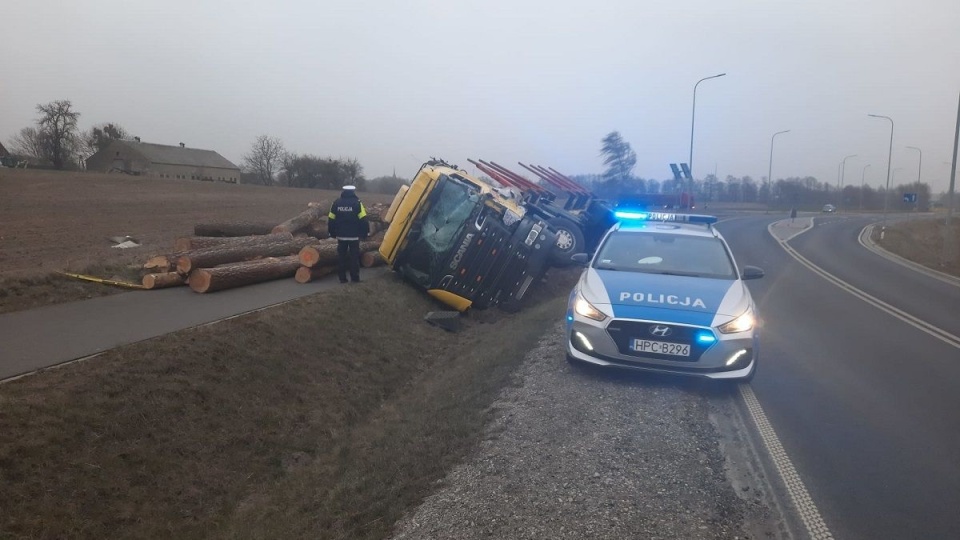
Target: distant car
x,y
829,209
663,294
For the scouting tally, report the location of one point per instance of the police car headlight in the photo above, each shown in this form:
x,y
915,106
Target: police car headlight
x,y
582,307
741,324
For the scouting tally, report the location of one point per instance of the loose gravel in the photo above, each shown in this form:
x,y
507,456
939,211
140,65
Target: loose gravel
x,y
578,453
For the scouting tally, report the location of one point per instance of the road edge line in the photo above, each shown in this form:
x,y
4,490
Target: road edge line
x,y
916,322
869,244
809,514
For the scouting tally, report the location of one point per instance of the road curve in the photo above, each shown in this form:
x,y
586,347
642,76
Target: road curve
x,y
865,404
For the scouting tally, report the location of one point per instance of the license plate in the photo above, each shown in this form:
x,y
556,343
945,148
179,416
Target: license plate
x,y
660,347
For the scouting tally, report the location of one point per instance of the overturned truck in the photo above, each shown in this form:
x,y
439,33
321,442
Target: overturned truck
x,y
578,217
467,243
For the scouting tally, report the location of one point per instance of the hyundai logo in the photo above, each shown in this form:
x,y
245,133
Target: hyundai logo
x,y
660,330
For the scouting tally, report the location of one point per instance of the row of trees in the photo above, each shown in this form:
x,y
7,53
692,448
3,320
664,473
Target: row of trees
x,y
55,140
269,163
618,181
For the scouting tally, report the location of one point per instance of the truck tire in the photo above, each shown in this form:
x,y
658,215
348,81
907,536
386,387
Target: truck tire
x,y
569,241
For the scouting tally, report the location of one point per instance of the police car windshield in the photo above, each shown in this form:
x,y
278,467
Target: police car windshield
x,y
672,254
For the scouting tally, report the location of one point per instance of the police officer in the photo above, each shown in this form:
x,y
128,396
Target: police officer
x,y
347,222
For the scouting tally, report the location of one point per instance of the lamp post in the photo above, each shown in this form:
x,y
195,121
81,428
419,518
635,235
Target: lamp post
x,y
949,248
770,168
693,118
916,204
843,172
886,194
863,174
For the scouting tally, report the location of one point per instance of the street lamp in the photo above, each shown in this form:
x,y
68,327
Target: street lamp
x,y
886,194
919,168
863,174
693,118
770,169
843,171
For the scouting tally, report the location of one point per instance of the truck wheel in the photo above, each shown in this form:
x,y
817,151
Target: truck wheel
x,y
569,241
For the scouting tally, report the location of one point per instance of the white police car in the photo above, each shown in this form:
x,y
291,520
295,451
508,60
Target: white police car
x,y
664,294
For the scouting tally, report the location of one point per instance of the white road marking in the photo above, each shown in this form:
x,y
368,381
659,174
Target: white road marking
x,y
916,322
809,514
866,241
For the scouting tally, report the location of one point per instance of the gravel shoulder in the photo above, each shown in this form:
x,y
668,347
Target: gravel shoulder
x,y
577,453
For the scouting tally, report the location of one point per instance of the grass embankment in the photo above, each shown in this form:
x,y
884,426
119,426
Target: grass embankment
x,y
922,241
22,293
326,417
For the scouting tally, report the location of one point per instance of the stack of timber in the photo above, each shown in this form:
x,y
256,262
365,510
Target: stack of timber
x,y
226,255
228,276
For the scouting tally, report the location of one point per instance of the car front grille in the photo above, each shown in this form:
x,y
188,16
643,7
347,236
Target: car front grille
x,y
623,331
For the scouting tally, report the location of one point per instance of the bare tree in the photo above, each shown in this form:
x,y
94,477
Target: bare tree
x,y
618,157
58,123
265,158
30,143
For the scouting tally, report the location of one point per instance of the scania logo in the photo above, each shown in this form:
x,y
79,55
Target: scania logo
x,y
460,252
660,330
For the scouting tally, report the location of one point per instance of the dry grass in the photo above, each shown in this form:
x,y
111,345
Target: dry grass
x,y
54,221
922,241
326,417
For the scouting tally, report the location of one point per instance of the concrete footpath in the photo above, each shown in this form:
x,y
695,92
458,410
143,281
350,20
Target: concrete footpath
x,y
51,335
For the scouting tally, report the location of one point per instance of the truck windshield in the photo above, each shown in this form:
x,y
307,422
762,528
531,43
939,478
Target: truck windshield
x,y
439,229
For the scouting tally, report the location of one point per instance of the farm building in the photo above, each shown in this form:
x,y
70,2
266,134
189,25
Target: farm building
x,y
163,161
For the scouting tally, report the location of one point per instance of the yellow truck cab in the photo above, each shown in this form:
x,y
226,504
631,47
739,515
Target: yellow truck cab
x,y
463,241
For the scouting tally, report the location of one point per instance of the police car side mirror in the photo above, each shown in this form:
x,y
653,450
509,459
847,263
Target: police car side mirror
x,y
580,258
751,272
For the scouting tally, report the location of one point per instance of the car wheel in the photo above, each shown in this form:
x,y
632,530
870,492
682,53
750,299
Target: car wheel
x,y
569,241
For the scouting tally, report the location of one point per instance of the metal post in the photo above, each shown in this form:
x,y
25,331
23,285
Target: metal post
x,y
886,194
843,173
949,248
693,118
916,205
770,169
863,174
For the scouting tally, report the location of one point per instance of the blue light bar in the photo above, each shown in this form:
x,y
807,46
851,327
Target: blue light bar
x,y
632,215
621,214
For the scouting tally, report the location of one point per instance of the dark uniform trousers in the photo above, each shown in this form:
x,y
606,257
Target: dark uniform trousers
x,y
349,255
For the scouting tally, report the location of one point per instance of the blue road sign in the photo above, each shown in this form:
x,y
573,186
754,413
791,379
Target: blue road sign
x,y
910,197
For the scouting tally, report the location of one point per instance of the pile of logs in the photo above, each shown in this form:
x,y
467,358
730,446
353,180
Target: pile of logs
x,y
226,255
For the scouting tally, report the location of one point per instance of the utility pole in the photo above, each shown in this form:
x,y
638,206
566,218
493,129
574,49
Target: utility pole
x,y
949,247
916,203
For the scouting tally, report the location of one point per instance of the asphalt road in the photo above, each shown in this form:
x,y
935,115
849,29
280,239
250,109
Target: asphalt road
x,y
866,405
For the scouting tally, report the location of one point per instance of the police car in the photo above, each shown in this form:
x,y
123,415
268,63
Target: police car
x,y
663,293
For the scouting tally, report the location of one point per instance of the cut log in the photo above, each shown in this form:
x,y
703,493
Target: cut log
x,y
210,257
161,263
204,280
323,253
318,229
306,275
369,259
319,254
202,242
236,228
300,221
163,280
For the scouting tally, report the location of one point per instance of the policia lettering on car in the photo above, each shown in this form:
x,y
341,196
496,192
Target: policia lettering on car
x,y
671,299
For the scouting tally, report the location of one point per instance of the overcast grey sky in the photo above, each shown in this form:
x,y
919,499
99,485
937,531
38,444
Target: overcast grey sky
x,y
392,83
